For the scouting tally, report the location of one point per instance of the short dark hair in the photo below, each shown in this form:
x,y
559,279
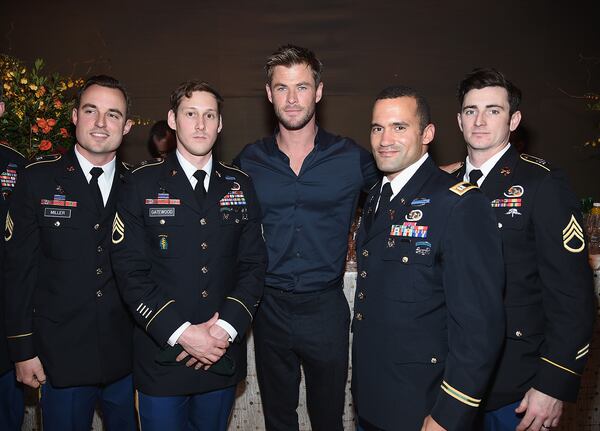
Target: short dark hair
x,y
159,130
104,81
423,110
290,55
487,77
185,89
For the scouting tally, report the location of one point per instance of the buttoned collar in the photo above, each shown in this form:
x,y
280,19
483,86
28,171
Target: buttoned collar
x,y
190,169
486,167
404,176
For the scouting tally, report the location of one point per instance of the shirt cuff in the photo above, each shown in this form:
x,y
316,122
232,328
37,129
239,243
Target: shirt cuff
x,y
175,336
228,328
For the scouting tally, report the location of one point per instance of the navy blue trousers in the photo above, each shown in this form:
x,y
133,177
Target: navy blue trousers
x,y
11,402
72,408
208,411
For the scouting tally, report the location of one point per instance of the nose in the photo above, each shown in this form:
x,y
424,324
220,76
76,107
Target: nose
x,y
200,123
100,120
292,97
480,118
386,138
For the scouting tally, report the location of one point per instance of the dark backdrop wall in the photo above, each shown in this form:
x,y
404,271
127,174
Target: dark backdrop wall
x,y
546,48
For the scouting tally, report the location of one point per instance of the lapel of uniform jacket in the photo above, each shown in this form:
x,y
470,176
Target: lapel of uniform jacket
x,y
500,177
402,200
71,182
174,182
217,187
120,172
370,204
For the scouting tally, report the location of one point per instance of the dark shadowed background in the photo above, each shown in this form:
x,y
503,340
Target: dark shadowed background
x,y
549,49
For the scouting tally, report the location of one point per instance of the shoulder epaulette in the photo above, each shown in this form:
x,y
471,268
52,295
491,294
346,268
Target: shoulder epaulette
x,y
128,166
458,168
46,158
233,168
535,160
12,149
146,163
462,188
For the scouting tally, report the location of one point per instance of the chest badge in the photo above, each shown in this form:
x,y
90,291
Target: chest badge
x,y
513,212
419,202
515,191
414,215
505,171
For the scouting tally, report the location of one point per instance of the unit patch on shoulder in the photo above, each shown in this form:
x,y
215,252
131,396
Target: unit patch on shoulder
x,y
118,230
535,160
462,188
573,239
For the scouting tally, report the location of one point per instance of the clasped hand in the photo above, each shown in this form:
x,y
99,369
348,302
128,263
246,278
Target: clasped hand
x,y
205,343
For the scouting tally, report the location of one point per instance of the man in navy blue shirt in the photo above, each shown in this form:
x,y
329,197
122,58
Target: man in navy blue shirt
x,y
308,182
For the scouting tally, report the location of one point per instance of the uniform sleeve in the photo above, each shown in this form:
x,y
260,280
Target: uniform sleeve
x,y
473,280
568,295
22,236
369,170
241,303
152,309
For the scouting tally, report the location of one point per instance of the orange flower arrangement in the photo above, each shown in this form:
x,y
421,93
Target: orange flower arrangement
x,y
38,108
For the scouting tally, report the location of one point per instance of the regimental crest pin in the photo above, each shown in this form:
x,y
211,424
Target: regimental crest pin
x,y
505,171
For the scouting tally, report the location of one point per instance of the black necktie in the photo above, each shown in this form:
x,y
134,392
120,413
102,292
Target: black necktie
x,y
96,193
474,176
384,201
200,191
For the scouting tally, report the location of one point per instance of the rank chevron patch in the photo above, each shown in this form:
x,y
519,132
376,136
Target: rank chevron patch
x,y
9,226
573,232
118,229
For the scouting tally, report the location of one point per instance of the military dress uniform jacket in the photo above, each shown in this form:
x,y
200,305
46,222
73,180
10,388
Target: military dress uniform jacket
x,y
62,301
428,319
549,299
176,261
11,162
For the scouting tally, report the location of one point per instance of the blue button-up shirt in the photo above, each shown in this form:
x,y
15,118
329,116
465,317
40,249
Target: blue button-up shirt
x,y
306,218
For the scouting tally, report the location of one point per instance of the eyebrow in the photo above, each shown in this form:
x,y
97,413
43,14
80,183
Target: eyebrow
x,y
91,105
487,106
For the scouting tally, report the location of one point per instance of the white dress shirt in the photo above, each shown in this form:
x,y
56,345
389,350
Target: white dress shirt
x,y
189,171
105,180
486,167
402,178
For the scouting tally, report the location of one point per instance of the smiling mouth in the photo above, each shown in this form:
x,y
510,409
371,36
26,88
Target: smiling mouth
x,y
101,135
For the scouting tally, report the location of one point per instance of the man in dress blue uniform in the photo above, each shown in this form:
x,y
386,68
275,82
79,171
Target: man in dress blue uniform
x,y
11,392
308,182
428,318
549,298
190,259
67,327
